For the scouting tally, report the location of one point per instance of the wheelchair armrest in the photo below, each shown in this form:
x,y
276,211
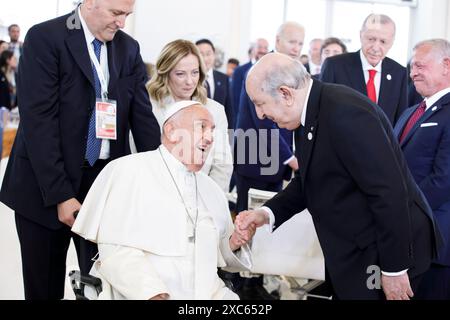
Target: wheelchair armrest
x,y
79,282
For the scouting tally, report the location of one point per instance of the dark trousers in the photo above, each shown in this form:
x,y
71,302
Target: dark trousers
x,y
44,251
243,184
326,289
435,284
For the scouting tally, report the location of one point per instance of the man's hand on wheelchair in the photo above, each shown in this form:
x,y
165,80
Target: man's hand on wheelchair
x,y
67,210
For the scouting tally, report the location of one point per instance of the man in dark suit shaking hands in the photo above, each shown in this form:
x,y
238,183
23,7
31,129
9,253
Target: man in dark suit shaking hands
x,y
369,71
368,212
81,87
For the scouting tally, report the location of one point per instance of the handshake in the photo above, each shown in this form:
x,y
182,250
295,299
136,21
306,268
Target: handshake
x,y
245,227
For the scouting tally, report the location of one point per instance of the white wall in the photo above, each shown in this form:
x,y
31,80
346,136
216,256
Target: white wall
x,y
448,23
228,24
430,20
36,12
225,23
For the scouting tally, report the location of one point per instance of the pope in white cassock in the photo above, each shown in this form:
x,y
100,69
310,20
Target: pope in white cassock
x,y
163,227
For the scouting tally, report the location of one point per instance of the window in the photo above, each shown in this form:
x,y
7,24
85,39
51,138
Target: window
x,y
326,18
310,14
267,16
348,17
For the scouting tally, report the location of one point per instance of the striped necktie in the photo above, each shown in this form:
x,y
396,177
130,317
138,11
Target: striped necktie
x,y
93,144
413,120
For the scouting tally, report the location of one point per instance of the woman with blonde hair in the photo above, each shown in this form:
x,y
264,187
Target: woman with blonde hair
x,y
180,75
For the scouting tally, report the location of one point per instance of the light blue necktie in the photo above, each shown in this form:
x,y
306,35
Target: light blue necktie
x,y
93,144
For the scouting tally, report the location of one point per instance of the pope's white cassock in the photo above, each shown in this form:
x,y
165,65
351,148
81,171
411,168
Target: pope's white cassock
x,y
148,245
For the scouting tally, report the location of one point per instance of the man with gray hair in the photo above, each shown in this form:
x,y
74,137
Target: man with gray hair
x,y
373,223
369,71
424,135
290,39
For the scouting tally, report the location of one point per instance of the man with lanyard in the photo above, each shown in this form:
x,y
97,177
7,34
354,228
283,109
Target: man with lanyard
x,y
69,131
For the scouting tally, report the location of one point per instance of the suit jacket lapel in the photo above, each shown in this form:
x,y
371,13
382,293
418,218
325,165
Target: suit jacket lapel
x,y
356,74
402,122
307,139
217,81
217,84
430,112
425,117
384,94
114,67
76,43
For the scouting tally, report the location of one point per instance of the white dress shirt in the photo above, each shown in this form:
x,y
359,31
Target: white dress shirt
x,y
314,69
210,79
303,118
15,48
105,149
435,98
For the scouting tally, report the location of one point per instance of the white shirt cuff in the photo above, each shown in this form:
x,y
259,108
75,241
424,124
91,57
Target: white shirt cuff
x,y
269,227
394,274
287,161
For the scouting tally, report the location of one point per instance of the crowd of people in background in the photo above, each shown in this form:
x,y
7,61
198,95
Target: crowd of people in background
x,y
319,50
9,58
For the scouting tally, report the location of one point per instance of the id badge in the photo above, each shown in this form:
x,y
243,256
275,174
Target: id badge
x,y
106,119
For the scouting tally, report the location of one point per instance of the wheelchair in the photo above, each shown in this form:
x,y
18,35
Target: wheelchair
x,y
301,276
85,287
292,285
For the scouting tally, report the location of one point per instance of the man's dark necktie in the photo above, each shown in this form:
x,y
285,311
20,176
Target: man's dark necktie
x,y
413,120
93,144
208,89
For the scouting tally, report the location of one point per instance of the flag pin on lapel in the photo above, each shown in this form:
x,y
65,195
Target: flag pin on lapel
x,y
389,77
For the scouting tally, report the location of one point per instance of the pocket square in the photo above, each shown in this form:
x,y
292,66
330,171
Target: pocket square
x,y
430,124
